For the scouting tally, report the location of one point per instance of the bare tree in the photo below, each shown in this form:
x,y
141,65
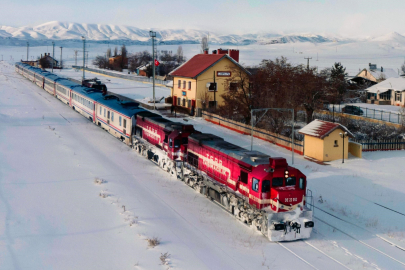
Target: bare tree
x,y
115,51
124,60
139,59
108,52
403,68
100,62
180,55
381,78
44,62
204,44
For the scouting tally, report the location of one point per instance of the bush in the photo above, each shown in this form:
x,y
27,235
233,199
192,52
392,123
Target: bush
x,y
153,242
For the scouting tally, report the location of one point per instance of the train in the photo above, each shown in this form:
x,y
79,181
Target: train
x,y
261,191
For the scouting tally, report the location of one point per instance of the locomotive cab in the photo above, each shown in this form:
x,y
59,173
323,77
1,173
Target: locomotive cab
x,y
176,140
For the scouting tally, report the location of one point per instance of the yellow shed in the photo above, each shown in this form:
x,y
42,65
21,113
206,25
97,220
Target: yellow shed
x,y
323,140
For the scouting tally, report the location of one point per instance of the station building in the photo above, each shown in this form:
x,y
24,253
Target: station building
x,y
200,82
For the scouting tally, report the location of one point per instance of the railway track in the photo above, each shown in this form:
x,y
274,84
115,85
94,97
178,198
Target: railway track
x,y
382,248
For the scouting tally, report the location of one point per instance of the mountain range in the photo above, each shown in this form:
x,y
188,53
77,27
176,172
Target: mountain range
x,y
103,33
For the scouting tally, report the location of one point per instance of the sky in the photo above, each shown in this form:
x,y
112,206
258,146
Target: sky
x,y
351,18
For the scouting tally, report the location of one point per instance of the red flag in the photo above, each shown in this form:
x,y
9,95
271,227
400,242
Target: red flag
x,y
157,62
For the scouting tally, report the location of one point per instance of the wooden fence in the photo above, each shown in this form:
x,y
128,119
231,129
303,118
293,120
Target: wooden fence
x,y
381,145
263,134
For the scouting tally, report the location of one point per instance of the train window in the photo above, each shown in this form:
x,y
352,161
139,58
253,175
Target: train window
x,y
108,114
101,109
277,182
255,184
265,186
166,138
125,123
243,177
184,140
170,143
119,120
290,181
112,116
302,183
104,112
176,143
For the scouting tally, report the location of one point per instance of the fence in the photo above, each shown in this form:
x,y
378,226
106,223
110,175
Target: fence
x,y
381,145
263,134
125,76
382,115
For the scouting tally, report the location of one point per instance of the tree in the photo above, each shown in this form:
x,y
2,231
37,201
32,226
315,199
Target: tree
x,y
338,81
403,68
100,62
124,60
44,62
108,53
180,56
115,51
139,59
204,44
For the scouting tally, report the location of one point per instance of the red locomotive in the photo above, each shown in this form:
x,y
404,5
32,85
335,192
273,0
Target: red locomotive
x,y
261,191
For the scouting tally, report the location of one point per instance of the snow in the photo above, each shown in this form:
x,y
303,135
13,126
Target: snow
x,y
53,217
396,84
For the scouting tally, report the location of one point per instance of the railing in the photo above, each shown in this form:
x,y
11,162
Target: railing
x,y
265,135
382,115
124,76
381,145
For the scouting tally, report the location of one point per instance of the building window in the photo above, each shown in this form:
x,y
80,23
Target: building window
x,y
184,93
398,96
178,101
386,95
184,84
212,104
189,85
179,83
184,102
336,143
233,86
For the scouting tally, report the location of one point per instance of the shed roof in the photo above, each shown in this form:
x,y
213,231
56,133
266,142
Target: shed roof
x,y
321,129
200,63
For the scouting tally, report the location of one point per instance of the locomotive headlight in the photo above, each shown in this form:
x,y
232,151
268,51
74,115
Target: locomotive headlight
x,y
286,173
309,224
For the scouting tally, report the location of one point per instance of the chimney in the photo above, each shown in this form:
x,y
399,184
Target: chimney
x,y
234,54
205,51
382,70
214,52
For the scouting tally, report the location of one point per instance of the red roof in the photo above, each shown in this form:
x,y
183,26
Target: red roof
x,y
196,65
321,129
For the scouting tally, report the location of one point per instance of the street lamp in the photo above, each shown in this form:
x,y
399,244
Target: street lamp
x,y
152,34
28,45
343,135
53,53
84,50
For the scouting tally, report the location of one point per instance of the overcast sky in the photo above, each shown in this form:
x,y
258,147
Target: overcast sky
x,y
340,17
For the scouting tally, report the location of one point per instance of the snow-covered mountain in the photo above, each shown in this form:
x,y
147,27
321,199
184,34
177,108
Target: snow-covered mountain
x,y
104,32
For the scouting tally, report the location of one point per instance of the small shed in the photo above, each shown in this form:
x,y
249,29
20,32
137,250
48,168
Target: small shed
x,y
323,142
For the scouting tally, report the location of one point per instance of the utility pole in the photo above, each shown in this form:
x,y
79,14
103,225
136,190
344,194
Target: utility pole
x,y
215,90
53,52
308,61
84,56
28,46
76,51
153,36
60,64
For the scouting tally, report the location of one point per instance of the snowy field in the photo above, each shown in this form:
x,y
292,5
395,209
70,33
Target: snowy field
x,y
53,217
387,52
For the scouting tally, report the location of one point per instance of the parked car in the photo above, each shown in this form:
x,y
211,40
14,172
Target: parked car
x,y
349,109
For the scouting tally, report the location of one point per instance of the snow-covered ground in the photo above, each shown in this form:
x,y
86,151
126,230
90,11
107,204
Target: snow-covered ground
x,y
53,217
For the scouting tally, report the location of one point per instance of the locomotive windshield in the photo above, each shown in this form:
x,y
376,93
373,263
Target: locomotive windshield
x,y
290,181
278,181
